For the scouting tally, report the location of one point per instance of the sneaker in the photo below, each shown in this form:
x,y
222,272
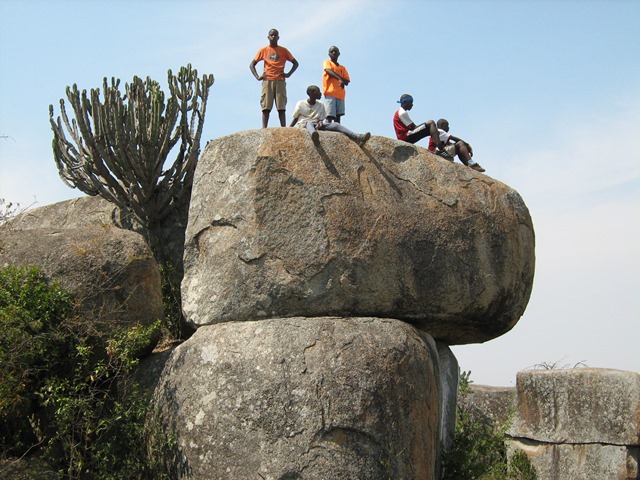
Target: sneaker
x,y
477,167
315,137
362,139
444,154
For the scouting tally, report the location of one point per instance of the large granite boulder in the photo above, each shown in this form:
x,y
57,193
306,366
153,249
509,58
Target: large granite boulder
x,y
111,273
279,227
303,398
579,423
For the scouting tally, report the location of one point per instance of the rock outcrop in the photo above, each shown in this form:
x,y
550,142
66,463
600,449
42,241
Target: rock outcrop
x,y
279,227
319,277
579,423
306,398
494,405
110,272
69,214
96,211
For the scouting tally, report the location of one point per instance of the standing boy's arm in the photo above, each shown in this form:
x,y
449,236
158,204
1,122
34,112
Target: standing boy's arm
x,y
252,67
293,68
343,81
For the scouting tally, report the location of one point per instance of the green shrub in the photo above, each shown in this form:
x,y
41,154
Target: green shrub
x,y
62,393
479,450
98,412
31,346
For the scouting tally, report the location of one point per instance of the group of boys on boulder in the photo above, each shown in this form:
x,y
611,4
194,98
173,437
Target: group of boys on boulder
x,y
315,115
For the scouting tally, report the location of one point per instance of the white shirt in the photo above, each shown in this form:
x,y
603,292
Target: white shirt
x,y
309,113
404,117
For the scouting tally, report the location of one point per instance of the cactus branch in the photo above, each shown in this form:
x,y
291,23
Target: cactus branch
x,y
117,145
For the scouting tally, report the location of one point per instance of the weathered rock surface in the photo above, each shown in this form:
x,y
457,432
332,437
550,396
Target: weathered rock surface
x,y
280,228
449,373
320,398
580,423
494,405
68,214
580,461
96,211
110,272
581,405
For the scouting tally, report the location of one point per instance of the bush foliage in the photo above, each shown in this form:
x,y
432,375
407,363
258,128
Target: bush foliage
x,y
479,450
62,394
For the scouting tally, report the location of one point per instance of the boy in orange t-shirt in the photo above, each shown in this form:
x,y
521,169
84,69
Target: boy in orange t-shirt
x,y
274,87
334,78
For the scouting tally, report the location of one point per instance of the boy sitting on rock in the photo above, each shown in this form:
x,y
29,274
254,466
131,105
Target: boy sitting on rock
x,y
311,114
454,146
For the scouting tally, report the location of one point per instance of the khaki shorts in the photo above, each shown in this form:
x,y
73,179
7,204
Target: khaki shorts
x,y
273,90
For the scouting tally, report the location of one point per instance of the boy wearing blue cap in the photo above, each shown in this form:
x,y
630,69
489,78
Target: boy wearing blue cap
x,y
408,131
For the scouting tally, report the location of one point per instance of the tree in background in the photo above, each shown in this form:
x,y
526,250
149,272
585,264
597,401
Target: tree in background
x,y
119,145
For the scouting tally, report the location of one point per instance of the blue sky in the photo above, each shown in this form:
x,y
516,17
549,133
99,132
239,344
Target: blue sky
x,y
547,92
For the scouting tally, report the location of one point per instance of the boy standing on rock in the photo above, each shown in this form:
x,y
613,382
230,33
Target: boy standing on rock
x,y
310,114
274,87
334,78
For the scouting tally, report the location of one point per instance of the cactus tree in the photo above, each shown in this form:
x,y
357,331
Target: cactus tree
x,y
118,145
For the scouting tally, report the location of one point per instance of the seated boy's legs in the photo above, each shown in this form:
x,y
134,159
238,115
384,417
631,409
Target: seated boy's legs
x,y
311,128
460,149
465,155
337,127
451,150
334,107
359,138
419,133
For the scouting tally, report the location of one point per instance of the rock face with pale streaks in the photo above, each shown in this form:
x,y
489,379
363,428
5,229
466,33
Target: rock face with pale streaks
x,y
279,227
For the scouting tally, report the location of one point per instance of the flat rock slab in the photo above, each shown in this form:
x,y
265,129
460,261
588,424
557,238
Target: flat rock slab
x,y
581,405
280,227
492,405
580,461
